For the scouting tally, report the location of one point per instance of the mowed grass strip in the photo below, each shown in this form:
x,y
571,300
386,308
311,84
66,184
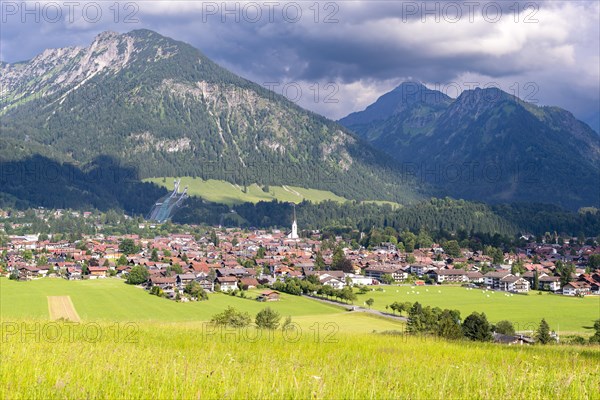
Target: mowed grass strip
x,y
61,307
184,362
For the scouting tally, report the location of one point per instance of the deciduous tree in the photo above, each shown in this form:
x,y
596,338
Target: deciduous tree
x,y
231,317
267,319
138,275
505,327
476,327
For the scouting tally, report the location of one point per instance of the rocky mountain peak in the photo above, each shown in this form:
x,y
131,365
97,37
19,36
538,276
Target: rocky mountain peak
x,y
404,97
162,106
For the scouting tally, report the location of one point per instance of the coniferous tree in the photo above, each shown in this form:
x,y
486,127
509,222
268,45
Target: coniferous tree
x,y
536,280
543,333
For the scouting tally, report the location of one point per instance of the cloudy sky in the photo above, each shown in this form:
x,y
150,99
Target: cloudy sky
x,y
338,57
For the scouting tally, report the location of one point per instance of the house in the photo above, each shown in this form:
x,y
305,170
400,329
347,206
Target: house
x,y
475,277
248,283
593,280
512,339
418,269
379,270
332,281
450,275
184,279
530,276
206,284
576,289
123,270
97,272
359,279
227,283
321,275
492,278
551,283
166,283
305,265
73,273
269,295
199,267
515,284
27,272
505,339
237,272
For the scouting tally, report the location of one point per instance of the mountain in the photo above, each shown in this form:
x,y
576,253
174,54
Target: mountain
x,y
161,107
408,110
486,145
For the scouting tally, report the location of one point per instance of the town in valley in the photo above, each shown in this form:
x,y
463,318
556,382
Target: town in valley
x,y
233,259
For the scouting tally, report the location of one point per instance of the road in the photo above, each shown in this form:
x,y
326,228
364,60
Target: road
x,y
354,308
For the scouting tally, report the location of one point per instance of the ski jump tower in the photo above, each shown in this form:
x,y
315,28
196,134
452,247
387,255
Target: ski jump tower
x,y
166,206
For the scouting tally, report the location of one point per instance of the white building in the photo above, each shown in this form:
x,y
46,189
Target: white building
x,y
294,233
359,279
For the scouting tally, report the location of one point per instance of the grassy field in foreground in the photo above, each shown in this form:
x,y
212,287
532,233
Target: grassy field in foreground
x,y
227,193
569,314
113,300
182,361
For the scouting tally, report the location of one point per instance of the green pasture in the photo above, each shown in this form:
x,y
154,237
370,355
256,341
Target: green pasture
x,y
565,314
113,300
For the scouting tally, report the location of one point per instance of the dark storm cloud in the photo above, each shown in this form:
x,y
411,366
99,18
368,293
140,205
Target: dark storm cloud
x,y
364,47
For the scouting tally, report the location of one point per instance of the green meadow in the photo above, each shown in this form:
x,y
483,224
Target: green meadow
x,y
218,191
566,314
130,344
113,300
182,361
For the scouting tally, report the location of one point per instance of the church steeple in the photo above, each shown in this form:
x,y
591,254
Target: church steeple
x,y
294,233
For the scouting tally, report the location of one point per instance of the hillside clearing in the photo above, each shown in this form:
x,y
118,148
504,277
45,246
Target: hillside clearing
x,y
224,192
227,193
